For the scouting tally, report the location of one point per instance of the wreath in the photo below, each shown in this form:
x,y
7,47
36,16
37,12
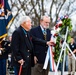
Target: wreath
x,y
59,32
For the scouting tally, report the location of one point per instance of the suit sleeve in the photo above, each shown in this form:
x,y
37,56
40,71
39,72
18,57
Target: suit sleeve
x,y
36,40
15,46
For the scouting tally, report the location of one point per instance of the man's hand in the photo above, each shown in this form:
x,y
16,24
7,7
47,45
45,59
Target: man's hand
x,y
69,54
21,61
74,51
50,43
35,59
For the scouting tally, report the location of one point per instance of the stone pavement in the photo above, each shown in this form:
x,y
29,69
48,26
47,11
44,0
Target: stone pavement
x,y
59,73
50,73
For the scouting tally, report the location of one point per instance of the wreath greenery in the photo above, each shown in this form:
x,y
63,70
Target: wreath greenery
x,y
65,22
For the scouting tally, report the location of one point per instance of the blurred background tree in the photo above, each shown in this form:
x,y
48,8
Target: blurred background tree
x,y
36,8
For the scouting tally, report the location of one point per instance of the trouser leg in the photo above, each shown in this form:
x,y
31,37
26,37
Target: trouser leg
x,y
73,65
69,64
38,70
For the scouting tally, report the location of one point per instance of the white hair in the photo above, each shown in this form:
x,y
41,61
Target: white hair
x,y
42,17
24,19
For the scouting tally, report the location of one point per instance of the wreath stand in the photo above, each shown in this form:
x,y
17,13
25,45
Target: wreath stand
x,y
63,51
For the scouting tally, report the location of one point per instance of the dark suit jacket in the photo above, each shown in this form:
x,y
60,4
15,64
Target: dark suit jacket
x,y
40,50
22,47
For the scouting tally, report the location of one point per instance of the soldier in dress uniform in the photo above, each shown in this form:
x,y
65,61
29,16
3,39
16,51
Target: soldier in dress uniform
x,y
4,50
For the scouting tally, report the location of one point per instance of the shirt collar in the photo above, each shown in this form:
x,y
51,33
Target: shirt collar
x,y
41,28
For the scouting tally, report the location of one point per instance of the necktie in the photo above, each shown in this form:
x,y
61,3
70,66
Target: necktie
x,y
44,33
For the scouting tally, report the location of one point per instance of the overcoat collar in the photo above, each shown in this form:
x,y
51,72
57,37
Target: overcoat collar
x,y
26,39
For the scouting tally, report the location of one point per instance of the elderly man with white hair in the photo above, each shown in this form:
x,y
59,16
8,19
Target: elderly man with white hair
x,y
22,47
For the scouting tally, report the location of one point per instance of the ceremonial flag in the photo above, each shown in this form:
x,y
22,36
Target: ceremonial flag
x,y
5,17
49,57
52,66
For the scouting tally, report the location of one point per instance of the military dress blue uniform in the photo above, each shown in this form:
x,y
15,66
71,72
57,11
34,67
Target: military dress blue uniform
x,y
4,19
5,45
